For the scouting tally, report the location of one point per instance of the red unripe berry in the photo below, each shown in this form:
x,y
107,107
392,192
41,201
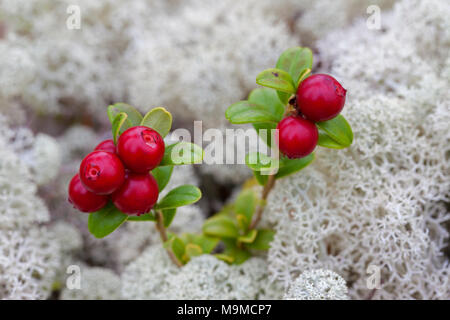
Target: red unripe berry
x,y
297,137
102,172
137,195
82,199
141,149
107,145
320,97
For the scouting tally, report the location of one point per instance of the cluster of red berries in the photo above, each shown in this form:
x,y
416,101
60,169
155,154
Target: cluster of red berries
x,y
120,173
319,97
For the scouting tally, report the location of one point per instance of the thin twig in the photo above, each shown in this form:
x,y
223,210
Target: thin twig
x,y
265,193
163,234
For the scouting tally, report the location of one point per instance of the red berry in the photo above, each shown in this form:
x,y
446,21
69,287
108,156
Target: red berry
x,y
140,148
102,172
297,137
82,199
320,97
137,195
107,145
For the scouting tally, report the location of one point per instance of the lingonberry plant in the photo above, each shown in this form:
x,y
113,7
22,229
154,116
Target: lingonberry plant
x,y
305,109
121,179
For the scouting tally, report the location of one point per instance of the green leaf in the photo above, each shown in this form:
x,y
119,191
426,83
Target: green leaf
x,y
276,79
267,98
206,243
262,240
224,257
220,226
120,124
258,161
180,196
162,176
159,119
247,112
338,130
134,116
193,250
238,254
143,217
290,166
168,215
181,153
245,205
327,142
106,220
295,61
249,237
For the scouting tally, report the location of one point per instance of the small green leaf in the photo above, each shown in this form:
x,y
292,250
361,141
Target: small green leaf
x,y
295,61
206,243
258,161
180,196
143,217
247,112
159,119
193,250
232,250
134,116
267,98
168,215
276,79
290,166
106,220
249,237
327,142
120,124
181,153
338,130
224,258
220,226
177,246
262,240
162,176
245,205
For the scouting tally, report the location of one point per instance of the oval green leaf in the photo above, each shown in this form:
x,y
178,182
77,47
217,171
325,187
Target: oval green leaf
x,y
181,153
134,116
338,129
276,79
249,237
180,196
168,215
247,112
290,166
143,217
159,119
103,222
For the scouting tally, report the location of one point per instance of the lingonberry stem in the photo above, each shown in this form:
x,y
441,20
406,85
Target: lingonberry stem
x,y
163,234
265,193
